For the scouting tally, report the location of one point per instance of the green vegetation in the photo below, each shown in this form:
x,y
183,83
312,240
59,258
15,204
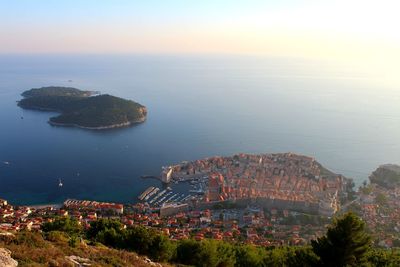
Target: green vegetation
x,y
65,225
36,249
381,199
78,109
305,219
56,91
108,243
345,244
387,176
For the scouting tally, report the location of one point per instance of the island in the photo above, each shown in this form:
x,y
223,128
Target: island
x,y
84,109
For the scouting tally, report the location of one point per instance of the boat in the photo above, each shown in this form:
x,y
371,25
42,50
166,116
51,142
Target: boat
x,y
197,191
164,198
60,184
6,162
153,192
146,192
173,196
180,198
158,196
186,198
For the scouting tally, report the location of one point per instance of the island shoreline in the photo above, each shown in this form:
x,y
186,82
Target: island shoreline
x,y
98,128
71,104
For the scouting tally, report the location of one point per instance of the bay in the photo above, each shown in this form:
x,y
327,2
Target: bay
x,y
198,106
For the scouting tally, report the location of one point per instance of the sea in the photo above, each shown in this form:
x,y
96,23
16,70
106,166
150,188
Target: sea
x,y
198,106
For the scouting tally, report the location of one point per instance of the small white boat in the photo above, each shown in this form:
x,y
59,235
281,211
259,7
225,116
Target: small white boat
x,y
6,162
60,184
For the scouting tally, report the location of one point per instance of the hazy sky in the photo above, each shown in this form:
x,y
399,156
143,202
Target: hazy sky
x,y
357,30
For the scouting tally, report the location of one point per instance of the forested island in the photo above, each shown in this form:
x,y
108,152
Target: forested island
x,y
84,109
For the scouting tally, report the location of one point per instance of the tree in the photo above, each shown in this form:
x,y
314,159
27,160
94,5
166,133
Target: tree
x,y
103,225
187,251
345,244
109,237
247,255
384,258
226,255
207,253
161,248
67,225
139,239
301,256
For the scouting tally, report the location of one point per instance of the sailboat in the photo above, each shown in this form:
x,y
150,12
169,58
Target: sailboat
x,y
60,184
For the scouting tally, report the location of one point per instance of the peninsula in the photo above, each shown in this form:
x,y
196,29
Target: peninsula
x,y
285,180
84,109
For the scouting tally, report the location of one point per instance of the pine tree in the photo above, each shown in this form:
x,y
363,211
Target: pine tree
x,y
345,244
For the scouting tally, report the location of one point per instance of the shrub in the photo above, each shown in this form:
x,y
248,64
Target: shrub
x,y
57,236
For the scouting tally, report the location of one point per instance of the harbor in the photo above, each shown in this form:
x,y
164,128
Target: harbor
x,y
157,197
175,189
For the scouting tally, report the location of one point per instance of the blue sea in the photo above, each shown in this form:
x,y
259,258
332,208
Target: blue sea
x,y
198,106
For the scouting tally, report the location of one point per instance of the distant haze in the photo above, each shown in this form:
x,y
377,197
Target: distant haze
x,y
361,34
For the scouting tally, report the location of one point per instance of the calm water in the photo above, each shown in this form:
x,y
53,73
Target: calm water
x,y
198,107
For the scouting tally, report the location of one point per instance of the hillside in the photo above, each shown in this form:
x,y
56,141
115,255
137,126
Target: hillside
x,y
56,249
78,108
107,243
387,176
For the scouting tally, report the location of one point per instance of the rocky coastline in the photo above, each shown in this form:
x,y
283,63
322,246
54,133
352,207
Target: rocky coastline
x,y
108,127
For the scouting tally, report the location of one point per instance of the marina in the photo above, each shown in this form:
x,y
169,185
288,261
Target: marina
x,y
147,191
195,188
152,193
157,197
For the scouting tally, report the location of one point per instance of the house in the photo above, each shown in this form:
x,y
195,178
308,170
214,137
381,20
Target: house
x,y
3,202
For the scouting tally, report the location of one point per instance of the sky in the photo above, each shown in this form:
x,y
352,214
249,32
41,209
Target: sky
x,y
362,32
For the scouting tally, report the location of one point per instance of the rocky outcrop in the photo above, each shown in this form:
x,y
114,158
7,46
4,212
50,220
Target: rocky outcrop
x,y
387,176
78,261
5,258
151,263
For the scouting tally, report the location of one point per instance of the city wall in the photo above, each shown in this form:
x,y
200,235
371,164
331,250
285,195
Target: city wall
x,y
299,206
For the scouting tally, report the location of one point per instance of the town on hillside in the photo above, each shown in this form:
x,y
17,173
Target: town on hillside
x,y
266,200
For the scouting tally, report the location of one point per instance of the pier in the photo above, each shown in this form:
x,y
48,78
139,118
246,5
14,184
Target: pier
x,y
145,192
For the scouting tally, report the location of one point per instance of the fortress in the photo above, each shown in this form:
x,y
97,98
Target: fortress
x,y
286,181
